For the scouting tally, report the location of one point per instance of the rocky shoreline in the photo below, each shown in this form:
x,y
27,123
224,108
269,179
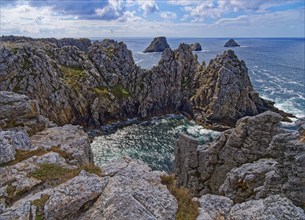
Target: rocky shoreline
x,y
46,163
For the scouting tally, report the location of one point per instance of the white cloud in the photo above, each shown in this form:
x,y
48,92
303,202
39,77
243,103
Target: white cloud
x,y
148,6
129,16
168,15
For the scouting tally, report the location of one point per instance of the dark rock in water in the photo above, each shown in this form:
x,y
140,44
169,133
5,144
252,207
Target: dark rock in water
x,y
159,44
232,43
196,47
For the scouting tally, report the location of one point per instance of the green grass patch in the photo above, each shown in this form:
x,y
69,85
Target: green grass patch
x,y
101,91
120,92
39,203
26,63
54,174
72,75
187,209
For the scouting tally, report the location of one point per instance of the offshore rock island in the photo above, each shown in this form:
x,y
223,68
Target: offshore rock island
x,y
48,87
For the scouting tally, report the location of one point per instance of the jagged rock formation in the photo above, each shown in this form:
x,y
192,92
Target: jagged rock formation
x,y
196,47
159,44
225,93
231,43
103,84
254,160
50,175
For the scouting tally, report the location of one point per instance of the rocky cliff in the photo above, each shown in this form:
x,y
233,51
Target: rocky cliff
x,y
90,84
51,175
249,165
231,43
102,84
225,94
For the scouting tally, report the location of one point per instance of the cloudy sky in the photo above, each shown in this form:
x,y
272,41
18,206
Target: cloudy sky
x,y
148,18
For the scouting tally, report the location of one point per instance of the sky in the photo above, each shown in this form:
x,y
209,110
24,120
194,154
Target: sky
x,y
151,18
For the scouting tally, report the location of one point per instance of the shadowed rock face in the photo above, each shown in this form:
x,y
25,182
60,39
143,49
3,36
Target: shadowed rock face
x,y
254,160
231,43
159,44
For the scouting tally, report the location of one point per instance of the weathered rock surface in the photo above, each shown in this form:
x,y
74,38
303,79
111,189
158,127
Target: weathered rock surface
x,y
214,207
133,192
20,111
70,139
256,159
102,84
196,47
231,43
127,190
225,92
10,141
273,207
159,44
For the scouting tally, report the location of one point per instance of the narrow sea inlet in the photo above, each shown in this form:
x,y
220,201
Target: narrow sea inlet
x,y
150,141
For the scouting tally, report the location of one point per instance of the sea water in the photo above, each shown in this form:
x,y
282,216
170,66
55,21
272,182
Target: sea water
x,y
277,71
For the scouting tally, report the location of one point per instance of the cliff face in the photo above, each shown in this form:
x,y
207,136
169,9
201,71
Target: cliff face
x,y
225,94
254,160
102,84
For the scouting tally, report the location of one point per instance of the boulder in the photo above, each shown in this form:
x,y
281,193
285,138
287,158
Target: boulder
x,y
133,192
70,139
159,44
10,141
196,47
231,43
20,111
272,208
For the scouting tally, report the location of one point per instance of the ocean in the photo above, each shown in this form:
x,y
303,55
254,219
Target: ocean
x,y
277,71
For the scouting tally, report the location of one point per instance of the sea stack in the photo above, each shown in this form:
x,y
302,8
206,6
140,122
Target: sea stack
x,y
159,44
196,47
232,43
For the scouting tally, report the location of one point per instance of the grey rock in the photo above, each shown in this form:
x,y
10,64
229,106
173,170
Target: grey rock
x,y
10,141
66,199
231,43
70,139
214,207
159,44
20,111
133,192
249,180
272,208
196,47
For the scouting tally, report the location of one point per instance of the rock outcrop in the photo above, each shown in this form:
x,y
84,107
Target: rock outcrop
x,y
196,47
20,111
132,192
273,207
231,43
256,159
159,44
225,93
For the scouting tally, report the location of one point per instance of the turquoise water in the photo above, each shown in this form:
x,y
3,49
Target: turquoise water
x,y
277,71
